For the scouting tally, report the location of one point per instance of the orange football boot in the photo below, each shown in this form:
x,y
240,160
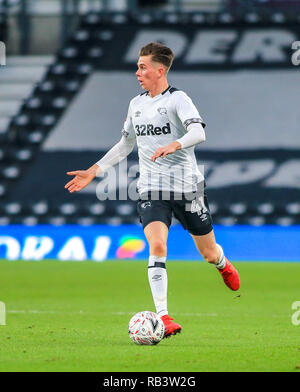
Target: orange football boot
x,y
230,276
170,327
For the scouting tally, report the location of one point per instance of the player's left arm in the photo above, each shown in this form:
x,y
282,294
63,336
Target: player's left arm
x,y
192,122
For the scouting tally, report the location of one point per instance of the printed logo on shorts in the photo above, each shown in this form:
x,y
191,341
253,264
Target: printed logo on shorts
x,y
146,204
199,208
137,114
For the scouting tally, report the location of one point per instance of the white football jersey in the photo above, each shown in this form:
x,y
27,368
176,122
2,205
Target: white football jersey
x,y
156,122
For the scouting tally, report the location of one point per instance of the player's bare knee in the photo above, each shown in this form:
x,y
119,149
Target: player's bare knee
x,y
158,247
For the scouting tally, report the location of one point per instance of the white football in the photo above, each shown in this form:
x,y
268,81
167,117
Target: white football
x,y
146,328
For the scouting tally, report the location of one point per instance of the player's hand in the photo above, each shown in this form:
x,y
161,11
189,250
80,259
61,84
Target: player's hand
x,y
81,180
163,151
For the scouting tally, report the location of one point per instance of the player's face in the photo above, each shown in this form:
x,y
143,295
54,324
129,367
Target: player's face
x,y
148,72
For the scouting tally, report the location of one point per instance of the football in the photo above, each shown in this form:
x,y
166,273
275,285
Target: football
x,y
146,328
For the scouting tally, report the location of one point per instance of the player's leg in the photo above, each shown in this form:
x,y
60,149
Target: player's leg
x,y
208,248
157,234
156,217
195,217
214,254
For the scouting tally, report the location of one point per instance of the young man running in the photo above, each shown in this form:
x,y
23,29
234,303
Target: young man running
x,y
166,126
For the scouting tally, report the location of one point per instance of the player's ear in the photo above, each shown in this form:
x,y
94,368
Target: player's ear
x,y
162,70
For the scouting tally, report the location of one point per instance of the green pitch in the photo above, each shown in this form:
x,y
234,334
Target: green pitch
x,y
66,316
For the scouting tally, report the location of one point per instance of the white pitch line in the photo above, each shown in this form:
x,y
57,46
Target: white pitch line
x,y
111,313
174,314
81,312
42,312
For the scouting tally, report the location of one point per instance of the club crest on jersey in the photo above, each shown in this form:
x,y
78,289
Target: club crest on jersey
x,y
162,111
146,204
137,114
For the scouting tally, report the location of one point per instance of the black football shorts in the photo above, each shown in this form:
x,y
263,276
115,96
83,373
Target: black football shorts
x,y
194,215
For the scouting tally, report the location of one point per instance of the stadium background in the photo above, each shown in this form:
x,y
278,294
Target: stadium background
x,y
64,92
64,96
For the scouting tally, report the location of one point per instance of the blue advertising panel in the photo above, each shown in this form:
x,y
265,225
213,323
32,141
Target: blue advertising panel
x,y
101,242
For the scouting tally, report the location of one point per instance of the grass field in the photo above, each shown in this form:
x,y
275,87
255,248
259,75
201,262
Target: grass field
x,y
68,316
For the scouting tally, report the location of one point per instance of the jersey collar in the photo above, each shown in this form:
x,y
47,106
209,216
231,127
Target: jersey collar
x,y
158,95
167,89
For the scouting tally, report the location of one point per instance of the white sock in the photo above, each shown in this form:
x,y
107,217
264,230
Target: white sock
x,y
222,261
158,280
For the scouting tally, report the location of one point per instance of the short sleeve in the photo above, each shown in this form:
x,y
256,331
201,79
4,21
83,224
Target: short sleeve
x,y
187,111
128,130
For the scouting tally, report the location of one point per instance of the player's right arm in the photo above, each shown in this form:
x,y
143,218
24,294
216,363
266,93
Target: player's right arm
x,y
82,178
115,155
191,121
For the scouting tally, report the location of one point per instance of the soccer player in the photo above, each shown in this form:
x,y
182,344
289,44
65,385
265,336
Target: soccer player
x,y
166,126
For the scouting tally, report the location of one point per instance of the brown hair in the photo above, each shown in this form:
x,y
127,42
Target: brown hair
x,y
160,53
